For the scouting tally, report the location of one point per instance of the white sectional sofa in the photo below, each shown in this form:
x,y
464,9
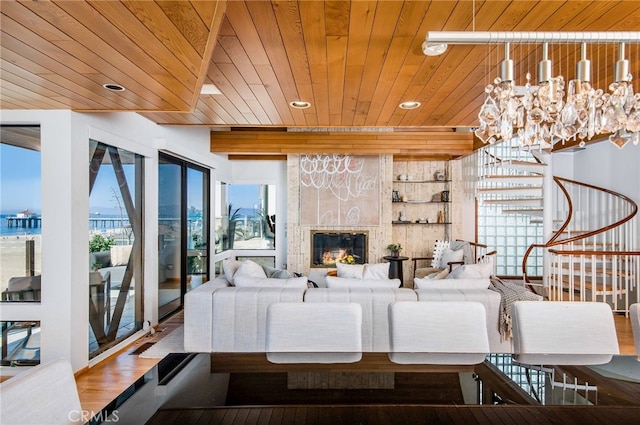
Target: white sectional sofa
x,y
220,318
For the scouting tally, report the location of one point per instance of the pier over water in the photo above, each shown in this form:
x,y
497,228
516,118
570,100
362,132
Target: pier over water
x,y
24,222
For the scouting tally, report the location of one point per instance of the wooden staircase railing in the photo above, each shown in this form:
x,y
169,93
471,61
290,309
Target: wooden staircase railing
x,y
593,255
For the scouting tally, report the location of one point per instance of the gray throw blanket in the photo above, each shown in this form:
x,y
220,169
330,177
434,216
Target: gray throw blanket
x,y
510,292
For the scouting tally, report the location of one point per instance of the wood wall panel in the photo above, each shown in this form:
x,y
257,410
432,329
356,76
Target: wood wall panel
x,y
442,144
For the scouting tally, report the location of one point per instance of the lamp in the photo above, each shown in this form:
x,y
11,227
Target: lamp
x,y
545,114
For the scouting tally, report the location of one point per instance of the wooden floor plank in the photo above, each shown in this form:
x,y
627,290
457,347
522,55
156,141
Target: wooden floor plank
x,y
405,415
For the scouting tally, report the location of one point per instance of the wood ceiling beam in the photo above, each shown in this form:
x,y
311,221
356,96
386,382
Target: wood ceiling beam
x,y
434,144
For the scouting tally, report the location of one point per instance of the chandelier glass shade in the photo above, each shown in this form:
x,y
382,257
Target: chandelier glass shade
x,y
551,109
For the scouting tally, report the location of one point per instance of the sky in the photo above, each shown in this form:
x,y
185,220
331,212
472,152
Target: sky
x,y
19,179
20,185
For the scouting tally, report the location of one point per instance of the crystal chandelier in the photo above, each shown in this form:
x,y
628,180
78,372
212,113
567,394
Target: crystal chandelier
x,y
550,112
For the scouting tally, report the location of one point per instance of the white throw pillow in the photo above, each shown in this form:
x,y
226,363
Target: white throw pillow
x,y
269,282
475,283
230,267
342,282
450,256
120,255
376,271
354,271
249,268
472,271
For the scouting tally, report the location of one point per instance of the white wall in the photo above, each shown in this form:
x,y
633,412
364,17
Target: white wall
x,y
604,165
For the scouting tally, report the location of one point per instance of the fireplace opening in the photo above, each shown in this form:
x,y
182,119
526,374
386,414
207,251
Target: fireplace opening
x,y
329,248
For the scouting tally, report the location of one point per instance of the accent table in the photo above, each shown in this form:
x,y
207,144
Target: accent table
x,y
395,268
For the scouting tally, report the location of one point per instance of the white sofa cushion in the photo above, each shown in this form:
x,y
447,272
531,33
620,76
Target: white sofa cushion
x,y
352,271
376,271
239,317
586,336
375,309
263,282
489,299
472,283
314,333
342,282
470,271
438,333
44,394
198,316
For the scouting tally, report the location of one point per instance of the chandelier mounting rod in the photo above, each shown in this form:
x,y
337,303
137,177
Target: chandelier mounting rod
x,y
535,37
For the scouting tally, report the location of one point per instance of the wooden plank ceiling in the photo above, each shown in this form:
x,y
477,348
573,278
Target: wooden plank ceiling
x,y
354,61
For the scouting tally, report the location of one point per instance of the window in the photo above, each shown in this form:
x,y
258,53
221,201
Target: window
x,y
20,214
248,220
20,343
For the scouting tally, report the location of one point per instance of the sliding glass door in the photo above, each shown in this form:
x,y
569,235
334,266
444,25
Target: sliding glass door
x,y
183,231
116,189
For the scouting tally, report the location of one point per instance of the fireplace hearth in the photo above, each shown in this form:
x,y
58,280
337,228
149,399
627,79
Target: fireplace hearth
x,y
328,248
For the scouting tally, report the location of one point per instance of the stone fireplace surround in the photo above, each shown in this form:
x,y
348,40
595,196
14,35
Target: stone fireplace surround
x,y
299,236
416,240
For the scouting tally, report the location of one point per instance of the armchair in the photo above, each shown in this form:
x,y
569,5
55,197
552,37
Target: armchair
x,y
447,254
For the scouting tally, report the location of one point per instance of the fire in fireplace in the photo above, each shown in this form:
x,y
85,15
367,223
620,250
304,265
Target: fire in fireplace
x,y
329,248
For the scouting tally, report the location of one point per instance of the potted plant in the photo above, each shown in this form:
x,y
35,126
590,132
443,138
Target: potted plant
x,y
395,249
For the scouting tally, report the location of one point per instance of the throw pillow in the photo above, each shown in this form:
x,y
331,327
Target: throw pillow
x,y
230,267
249,268
341,282
376,271
120,255
266,282
353,271
472,271
438,275
475,283
450,256
276,273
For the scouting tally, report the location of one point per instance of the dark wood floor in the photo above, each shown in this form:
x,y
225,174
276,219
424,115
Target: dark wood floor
x,y
405,415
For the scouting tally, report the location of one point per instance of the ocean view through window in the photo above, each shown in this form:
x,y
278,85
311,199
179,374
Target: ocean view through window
x,y
20,238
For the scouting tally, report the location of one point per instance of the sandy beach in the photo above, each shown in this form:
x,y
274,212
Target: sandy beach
x,y
12,254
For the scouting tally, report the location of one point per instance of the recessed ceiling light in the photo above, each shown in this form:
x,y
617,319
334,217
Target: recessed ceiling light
x,y
433,49
300,104
113,87
210,89
409,105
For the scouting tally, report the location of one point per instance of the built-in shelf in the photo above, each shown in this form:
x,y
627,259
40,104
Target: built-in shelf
x,y
417,222
420,202
421,181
